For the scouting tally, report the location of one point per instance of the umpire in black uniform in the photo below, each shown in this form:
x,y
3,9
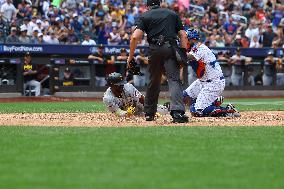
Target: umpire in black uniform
x,y
162,27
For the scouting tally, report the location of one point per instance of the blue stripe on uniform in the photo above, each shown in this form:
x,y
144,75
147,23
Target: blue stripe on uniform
x,y
213,63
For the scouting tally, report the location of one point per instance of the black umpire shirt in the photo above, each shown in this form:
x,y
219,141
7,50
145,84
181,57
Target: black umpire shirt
x,y
156,22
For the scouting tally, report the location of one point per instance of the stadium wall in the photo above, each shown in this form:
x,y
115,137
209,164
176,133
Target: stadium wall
x,y
55,58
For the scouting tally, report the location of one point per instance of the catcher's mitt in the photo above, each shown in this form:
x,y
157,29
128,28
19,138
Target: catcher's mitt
x,y
130,110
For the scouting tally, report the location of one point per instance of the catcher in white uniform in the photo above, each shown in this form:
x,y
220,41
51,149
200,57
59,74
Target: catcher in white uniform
x,y
204,94
124,99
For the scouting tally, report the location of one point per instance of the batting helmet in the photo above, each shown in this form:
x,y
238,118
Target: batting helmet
x,y
192,34
115,79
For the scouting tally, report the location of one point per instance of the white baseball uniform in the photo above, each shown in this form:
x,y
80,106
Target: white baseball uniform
x,y
211,85
130,97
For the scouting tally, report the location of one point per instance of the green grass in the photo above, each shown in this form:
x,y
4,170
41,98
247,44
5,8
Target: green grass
x,y
140,158
45,107
51,107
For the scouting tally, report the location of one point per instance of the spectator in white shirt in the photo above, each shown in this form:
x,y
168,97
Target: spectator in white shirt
x,y
39,25
254,43
88,40
8,10
114,37
252,30
32,25
52,39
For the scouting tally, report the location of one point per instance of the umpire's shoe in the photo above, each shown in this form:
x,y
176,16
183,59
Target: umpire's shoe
x,y
179,116
150,117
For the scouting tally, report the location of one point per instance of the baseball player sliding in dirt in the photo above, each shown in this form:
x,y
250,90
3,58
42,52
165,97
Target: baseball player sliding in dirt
x,y
124,100
204,95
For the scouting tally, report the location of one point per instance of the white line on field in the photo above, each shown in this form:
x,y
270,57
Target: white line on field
x,y
277,103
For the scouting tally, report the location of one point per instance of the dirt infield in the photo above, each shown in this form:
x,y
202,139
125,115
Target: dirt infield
x,y
252,118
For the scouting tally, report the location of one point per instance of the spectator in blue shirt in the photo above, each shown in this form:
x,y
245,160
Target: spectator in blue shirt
x,y
76,24
230,27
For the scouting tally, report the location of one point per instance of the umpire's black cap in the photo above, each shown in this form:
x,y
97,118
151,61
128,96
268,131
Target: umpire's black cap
x,y
115,79
153,2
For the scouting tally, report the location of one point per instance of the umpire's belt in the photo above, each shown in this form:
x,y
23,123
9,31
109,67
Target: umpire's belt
x,y
209,80
171,41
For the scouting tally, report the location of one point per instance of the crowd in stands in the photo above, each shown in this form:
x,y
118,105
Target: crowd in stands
x,y
222,23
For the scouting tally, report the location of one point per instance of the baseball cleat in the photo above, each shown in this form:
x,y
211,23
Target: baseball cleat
x,y
232,111
150,117
178,117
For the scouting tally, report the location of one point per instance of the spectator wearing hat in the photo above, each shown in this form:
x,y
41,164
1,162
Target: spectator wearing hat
x,y
238,42
88,40
60,25
13,38
76,24
23,37
40,39
26,22
39,25
8,10
269,69
52,39
34,38
45,23
86,16
32,25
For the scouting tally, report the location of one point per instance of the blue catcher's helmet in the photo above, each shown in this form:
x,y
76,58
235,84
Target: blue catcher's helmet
x,y
192,34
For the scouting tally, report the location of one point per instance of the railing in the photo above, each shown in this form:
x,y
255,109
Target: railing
x,y
46,49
